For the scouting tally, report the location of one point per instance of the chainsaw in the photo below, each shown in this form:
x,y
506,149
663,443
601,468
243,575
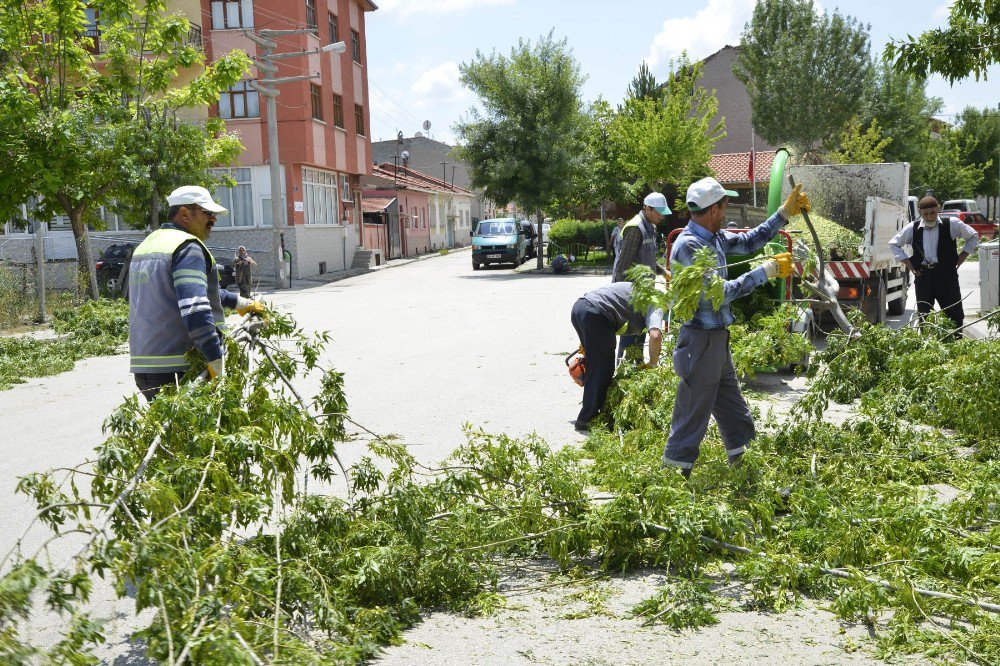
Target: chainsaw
x,y
577,365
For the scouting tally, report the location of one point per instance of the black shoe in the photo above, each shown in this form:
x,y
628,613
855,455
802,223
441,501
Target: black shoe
x,y
581,426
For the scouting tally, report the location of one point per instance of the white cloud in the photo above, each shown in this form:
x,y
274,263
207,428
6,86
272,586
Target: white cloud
x,y
942,11
439,85
718,24
406,7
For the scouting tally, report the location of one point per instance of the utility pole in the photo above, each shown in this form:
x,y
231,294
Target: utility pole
x,y
267,87
40,270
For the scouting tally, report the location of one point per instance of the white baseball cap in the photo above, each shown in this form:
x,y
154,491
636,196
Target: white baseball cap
x,y
657,202
706,192
196,196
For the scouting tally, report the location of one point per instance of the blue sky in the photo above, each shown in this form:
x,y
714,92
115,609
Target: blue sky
x,y
416,46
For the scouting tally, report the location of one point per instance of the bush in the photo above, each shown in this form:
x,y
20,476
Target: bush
x,y
14,301
584,232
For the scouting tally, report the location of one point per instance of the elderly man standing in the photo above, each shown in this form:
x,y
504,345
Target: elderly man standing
x,y
709,386
935,259
638,246
175,302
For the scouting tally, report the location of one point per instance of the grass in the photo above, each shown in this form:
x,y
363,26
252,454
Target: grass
x,y
96,328
18,307
590,258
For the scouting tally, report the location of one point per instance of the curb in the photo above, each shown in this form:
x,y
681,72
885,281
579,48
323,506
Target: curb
x,y
394,263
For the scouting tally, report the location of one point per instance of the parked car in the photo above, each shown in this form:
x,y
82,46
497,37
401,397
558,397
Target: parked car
x,y
963,205
986,229
498,241
529,229
112,274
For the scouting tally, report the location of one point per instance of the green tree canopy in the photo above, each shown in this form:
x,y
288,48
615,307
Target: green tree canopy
x,y
667,140
946,167
644,84
968,46
806,74
861,146
983,125
86,127
528,143
899,103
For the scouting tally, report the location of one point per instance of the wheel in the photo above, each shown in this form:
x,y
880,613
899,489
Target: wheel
x,y
476,266
874,305
898,306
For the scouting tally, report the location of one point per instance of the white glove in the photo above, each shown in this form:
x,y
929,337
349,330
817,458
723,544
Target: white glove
x,y
771,268
217,369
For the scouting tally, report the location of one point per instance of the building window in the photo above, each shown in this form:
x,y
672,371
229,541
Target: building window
x,y
331,22
315,93
238,200
240,101
356,46
228,14
345,189
338,111
359,119
311,15
319,194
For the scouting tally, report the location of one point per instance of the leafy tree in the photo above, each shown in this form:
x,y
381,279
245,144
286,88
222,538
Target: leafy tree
x,y
983,126
83,129
527,144
946,168
859,146
900,105
806,74
668,140
644,85
968,46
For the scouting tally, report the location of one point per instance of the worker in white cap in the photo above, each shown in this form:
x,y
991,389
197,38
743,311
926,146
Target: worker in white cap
x,y
175,302
638,246
709,386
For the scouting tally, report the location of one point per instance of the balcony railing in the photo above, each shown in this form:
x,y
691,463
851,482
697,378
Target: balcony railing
x,y
193,38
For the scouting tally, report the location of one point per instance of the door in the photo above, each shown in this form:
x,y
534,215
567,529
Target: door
x,y
395,243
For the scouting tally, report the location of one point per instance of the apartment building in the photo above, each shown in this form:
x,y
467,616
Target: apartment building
x,y
323,136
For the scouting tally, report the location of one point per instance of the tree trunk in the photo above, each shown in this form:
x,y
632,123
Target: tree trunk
x,y
541,260
86,269
607,238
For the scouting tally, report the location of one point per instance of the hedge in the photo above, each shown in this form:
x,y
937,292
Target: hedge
x,y
585,232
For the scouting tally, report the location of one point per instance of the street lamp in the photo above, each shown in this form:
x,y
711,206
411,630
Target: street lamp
x,y
266,87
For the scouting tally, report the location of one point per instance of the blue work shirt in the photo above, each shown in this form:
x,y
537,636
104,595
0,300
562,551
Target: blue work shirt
x,y
694,237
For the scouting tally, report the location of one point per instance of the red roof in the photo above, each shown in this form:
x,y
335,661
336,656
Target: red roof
x,y
375,204
408,178
734,168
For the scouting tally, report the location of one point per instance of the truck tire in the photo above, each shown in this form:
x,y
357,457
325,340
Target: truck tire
x,y
898,306
874,305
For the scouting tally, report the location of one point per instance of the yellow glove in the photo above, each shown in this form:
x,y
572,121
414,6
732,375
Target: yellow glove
x,y
797,202
216,369
245,306
779,266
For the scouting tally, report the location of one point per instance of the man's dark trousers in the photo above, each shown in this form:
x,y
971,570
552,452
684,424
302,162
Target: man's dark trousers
x,y
150,383
940,284
598,339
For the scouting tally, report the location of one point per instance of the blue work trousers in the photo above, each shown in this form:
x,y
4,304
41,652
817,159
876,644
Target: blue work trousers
x,y
708,387
598,339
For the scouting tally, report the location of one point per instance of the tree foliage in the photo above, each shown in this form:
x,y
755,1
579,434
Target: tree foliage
x,y
85,128
643,85
945,167
898,101
527,144
806,74
968,46
983,125
667,140
860,146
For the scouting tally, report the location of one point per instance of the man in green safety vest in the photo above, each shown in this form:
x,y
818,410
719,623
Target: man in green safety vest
x,y
175,302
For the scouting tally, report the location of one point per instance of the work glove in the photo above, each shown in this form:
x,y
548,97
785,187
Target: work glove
x,y
780,266
796,203
216,369
246,306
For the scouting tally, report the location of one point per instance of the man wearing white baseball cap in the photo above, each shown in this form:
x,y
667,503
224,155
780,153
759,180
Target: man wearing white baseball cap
x,y
709,386
637,245
175,301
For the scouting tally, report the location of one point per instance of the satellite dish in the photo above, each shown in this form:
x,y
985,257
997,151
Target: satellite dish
x,y
417,134
405,155
427,126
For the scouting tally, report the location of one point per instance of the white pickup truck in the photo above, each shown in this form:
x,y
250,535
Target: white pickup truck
x,y
873,200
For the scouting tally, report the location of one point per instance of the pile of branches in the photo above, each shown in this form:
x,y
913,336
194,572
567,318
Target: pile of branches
x,y
198,506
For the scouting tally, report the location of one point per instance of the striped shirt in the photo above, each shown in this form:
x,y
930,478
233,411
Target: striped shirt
x,y
190,271
694,237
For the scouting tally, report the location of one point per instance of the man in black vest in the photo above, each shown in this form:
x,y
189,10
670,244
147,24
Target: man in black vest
x,y
935,259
